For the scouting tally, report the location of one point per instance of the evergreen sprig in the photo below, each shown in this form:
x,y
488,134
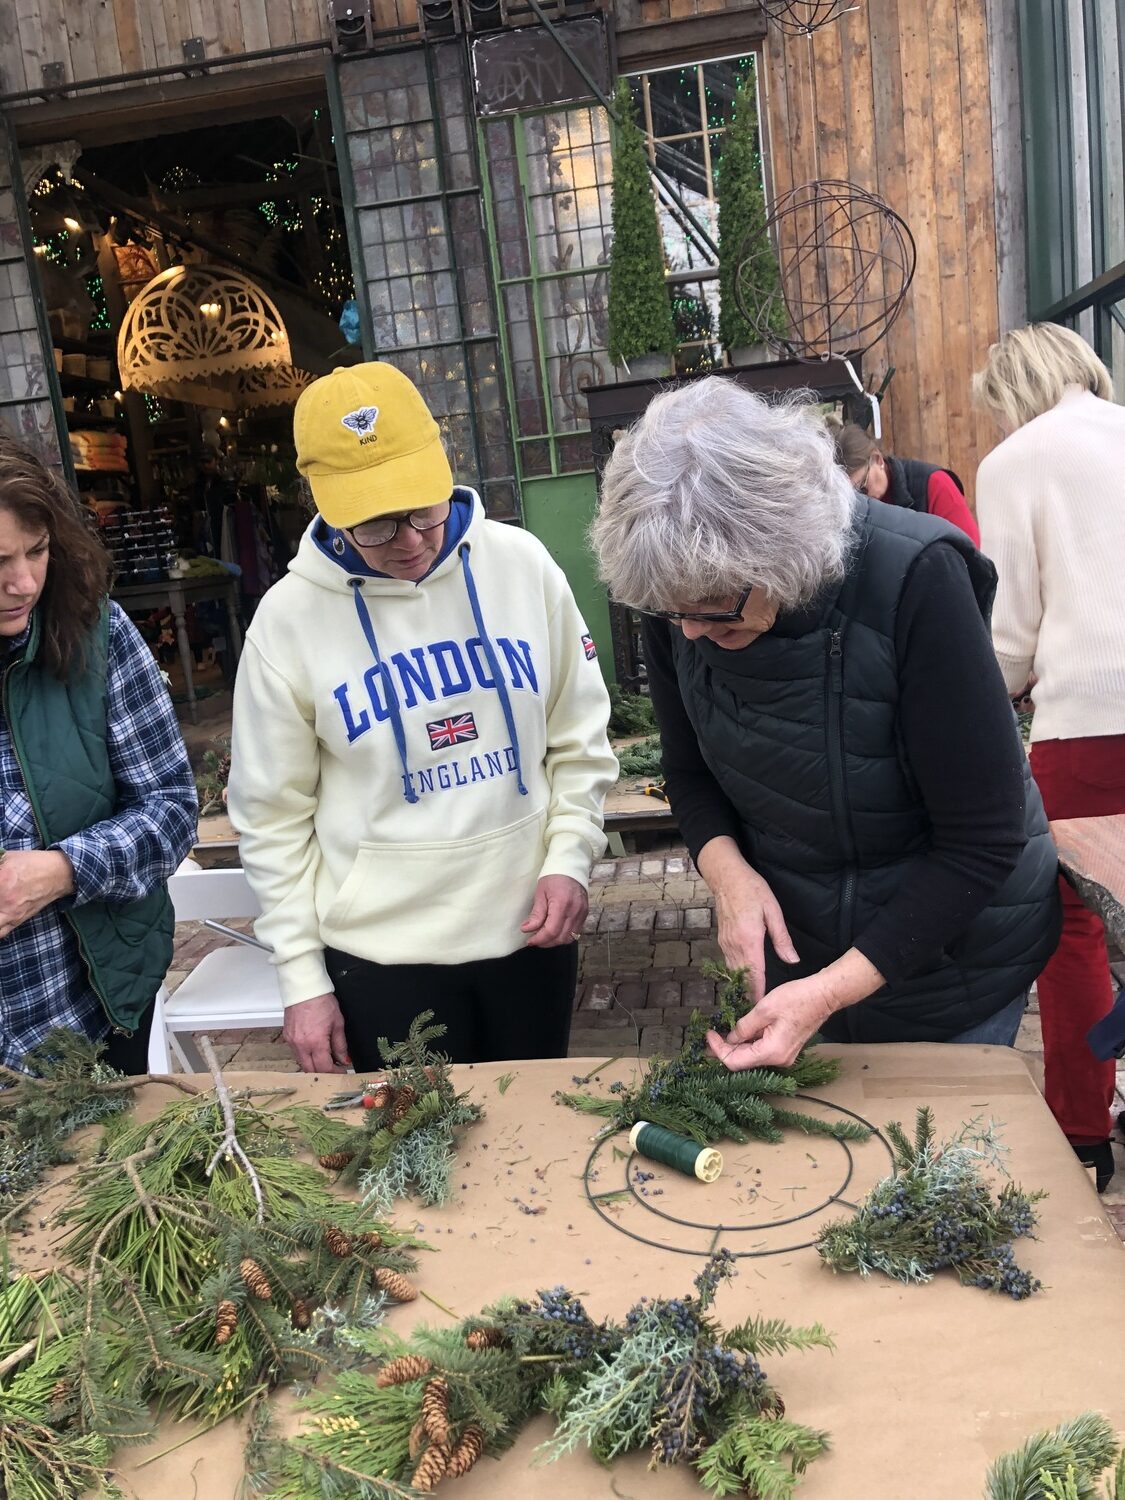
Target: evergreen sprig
x,y
936,1210
694,1095
667,1379
1064,1463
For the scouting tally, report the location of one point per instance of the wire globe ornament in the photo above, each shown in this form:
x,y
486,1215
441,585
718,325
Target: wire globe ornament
x,y
846,261
803,17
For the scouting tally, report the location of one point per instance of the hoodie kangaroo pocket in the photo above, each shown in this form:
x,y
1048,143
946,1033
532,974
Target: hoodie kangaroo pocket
x,y
444,902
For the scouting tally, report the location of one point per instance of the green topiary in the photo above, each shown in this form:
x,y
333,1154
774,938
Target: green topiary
x,y
640,313
742,222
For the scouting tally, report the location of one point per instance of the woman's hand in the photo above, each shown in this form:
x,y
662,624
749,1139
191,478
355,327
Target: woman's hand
x,y
746,910
558,912
773,1033
30,879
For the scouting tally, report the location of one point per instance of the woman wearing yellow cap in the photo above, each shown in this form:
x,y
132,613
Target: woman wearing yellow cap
x,y
420,755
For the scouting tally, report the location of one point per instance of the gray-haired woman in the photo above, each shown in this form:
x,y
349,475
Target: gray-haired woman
x,y
839,746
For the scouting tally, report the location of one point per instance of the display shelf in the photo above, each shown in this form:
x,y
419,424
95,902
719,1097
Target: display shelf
x,y
83,382
82,419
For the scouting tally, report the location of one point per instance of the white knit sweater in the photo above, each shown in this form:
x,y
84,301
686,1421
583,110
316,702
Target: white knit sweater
x,y
1051,507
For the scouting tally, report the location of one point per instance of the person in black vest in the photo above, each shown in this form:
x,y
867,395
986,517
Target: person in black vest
x,y
97,799
926,488
838,743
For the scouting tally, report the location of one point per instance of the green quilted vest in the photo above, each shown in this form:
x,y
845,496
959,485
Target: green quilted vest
x,y
58,733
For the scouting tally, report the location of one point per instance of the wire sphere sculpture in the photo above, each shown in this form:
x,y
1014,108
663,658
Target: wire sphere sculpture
x,y
803,17
846,261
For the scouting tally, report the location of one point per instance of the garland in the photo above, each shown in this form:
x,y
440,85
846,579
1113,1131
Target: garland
x,y
695,1095
935,1211
668,1379
1063,1464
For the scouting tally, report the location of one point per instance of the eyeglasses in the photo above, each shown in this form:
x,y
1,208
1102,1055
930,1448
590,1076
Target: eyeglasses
x,y
861,487
704,616
384,529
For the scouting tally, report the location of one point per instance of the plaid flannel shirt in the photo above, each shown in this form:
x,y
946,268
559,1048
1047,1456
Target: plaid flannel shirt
x,y
43,980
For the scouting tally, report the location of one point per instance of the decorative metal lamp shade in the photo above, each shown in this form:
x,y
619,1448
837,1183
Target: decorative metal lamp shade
x,y
209,336
803,17
846,259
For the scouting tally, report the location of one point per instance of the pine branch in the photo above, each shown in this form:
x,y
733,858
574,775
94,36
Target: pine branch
x,y
230,1146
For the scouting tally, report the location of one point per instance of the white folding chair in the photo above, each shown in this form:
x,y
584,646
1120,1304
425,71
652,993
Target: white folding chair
x,y
231,989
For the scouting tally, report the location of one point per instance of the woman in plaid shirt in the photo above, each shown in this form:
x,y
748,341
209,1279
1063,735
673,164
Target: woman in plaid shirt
x,y
97,799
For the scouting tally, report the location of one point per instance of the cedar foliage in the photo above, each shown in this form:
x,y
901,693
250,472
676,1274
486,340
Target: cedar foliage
x,y
668,1379
696,1096
640,312
742,226
1064,1463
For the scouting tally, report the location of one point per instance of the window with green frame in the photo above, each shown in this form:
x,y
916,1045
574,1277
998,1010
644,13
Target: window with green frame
x,y
548,195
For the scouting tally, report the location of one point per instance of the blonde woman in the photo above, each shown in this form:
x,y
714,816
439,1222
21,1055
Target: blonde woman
x,y
1051,506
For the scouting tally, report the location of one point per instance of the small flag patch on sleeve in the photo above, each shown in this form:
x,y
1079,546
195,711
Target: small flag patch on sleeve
x,y
590,649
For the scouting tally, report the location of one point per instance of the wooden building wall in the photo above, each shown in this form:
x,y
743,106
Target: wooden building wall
x,y
897,98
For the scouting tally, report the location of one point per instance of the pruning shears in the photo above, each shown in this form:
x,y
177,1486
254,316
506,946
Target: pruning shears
x,y
654,789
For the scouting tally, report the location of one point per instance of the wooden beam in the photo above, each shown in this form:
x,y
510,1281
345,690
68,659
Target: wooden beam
x,y
170,107
661,43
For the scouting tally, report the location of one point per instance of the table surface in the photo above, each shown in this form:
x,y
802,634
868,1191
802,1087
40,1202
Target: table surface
x,y
927,1383
1092,852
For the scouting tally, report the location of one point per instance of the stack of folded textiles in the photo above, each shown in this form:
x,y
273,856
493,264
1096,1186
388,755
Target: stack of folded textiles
x,y
102,451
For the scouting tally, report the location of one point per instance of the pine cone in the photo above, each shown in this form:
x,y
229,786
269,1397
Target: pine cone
x,y
382,1096
226,1320
418,1440
395,1284
404,1102
435,1411
405,1367
486,1338
255,1279
373,1238
60,1392
338,1242
300,1314
335,1161
469,1448
431,1470
775,1406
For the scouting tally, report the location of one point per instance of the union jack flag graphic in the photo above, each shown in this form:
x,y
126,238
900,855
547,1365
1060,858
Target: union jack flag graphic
x,y
455,731
590,649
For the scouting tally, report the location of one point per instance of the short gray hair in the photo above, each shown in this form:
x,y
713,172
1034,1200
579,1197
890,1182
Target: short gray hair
x,y
715,489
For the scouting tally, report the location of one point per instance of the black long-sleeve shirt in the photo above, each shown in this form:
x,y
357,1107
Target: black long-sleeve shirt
x,y
955,721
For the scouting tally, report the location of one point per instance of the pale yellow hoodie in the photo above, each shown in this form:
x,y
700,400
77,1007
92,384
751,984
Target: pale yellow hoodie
x,y
386,808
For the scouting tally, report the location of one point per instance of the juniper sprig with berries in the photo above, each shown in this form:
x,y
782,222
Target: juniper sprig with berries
x,y
668,1379
936,1211
1064,1463
696,1096
406,1142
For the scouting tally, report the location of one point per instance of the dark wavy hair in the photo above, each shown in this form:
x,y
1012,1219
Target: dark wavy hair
x,y
78,569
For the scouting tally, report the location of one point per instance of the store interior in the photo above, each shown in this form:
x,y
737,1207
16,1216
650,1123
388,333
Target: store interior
x,y
194,283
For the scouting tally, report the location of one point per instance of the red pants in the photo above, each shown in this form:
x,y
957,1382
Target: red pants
x,y
1078,779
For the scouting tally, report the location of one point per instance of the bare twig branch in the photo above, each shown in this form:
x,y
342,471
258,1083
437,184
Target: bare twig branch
x,y
229,1146
18,1356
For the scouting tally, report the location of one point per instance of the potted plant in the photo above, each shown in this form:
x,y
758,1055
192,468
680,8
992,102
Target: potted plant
x,y
742,229
642,333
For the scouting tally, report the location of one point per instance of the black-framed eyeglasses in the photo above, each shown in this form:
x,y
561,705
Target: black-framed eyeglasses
x,y
704,616
383,529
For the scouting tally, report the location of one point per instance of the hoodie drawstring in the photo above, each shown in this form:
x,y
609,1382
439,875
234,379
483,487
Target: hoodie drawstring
x,y
493,665
392,697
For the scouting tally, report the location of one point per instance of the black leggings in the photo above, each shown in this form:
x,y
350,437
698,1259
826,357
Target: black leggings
x,y
129,1054
497,1008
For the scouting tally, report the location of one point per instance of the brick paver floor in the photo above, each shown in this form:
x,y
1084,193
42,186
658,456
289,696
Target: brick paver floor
x,y
650,928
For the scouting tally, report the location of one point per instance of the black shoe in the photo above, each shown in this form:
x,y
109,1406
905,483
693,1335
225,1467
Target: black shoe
x,y
1100,1157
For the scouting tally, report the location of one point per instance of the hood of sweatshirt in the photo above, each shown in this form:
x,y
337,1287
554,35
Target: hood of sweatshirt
x,y
327,559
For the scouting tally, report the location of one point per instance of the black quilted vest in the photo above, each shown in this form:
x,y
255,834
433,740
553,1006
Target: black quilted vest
x,y
801,732
910,482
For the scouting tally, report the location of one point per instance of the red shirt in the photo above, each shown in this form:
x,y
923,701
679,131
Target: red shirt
x,y
944,499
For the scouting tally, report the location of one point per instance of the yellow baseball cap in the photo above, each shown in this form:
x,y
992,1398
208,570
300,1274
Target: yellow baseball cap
x,y
368,446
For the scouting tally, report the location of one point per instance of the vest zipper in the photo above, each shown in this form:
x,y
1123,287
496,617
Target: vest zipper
x,y
838,787
115,1026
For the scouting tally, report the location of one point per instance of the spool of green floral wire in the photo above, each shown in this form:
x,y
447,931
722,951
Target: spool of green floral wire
x,y
676,1151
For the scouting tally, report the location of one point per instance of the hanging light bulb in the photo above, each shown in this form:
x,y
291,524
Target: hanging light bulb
x,y
72,224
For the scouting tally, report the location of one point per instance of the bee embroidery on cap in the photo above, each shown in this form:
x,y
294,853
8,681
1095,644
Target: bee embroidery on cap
x,y
361,421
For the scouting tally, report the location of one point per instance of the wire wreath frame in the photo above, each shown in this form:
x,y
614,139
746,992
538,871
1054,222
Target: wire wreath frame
x,y
803,17
846,261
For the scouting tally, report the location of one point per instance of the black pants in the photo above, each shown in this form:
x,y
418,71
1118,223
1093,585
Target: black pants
x,y
494,1009
129,1054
